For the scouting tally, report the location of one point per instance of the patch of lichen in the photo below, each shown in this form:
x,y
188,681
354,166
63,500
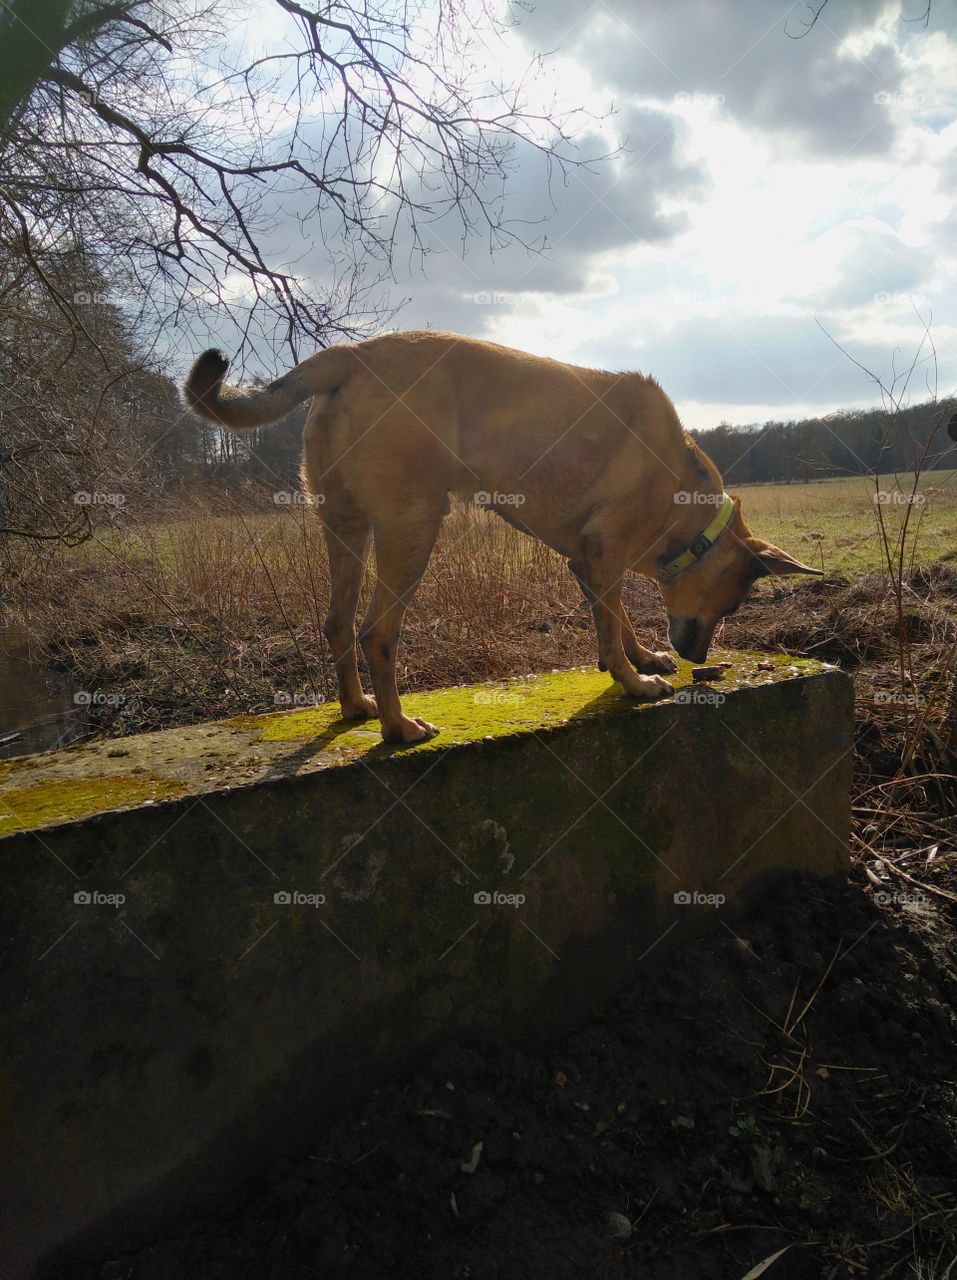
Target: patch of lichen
x,y
515,711
65,799
501,708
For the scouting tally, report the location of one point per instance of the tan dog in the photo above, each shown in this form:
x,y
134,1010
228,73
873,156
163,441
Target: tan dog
x,y
594,464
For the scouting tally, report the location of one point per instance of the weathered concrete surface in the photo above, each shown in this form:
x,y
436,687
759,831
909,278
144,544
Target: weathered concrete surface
x,y
156,1047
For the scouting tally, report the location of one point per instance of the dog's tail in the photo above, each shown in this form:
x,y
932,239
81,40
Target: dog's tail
x,y
240,409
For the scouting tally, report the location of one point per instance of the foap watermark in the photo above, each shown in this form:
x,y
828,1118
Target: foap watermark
x,y
892,898
93,298
494,299
492,898
96,898
485,499
497,698
685,498
899,698
895,498
886,98
700,697
683,98
90,96
96,498
692,898
899,300
98,698
283,698
294,898
294,498
686,298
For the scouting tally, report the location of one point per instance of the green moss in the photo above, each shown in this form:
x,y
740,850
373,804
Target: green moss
x,y
66,799
512,711
499,708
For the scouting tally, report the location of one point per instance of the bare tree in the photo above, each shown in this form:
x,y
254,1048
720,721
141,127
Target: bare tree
x,y
77,416
158,170
816,7
148,133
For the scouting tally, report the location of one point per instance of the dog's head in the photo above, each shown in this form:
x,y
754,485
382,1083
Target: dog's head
x,y
717,583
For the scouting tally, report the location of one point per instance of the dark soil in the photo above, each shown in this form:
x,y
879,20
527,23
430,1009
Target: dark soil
x,y
786,1084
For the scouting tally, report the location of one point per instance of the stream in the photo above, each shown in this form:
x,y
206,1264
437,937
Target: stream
x,y
37,708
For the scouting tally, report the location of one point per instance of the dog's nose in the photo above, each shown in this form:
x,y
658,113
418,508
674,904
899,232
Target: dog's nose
x,y
692,653
688,639
698,654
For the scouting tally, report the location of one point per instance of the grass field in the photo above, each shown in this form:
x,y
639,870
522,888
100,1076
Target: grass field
x,y
833,524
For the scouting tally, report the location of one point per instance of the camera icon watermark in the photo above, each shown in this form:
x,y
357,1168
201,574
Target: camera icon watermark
x,y
283,698
688,898
684,98
886,98
898,698
700,697
899,299
687,298
887,898
497,698
492,298
95,898
485,499
293,898
895,498
492,898
296,498
98,698
685,498
94,498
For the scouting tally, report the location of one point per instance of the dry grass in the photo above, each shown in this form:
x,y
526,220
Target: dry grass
x,y
204,616
217,610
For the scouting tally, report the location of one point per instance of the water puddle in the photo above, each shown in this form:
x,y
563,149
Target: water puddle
x,y
37,708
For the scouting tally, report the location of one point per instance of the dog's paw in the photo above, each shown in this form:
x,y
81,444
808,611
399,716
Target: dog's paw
x,y
648,688
364,710
410,729
659,663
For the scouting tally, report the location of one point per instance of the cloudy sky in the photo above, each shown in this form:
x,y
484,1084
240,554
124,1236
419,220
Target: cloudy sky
x,y
769,191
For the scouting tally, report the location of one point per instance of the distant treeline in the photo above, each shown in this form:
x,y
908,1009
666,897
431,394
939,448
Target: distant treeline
x,y
850,442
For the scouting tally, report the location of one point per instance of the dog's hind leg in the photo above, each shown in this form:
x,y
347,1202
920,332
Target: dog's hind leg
x,y
601,577
347,540
403,544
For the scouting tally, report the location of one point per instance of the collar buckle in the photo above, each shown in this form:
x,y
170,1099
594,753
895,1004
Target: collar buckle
x,y
705,539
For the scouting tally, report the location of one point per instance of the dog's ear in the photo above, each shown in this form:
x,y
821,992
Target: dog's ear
x,y
770,561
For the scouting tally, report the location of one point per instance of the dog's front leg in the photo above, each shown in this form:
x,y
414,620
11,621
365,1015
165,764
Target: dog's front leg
x,y
601,578
647,661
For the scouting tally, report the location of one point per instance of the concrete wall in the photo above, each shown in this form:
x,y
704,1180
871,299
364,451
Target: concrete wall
x,y
168,1022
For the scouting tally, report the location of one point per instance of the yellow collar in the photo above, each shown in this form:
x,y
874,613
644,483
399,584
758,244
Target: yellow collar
x,y
701,544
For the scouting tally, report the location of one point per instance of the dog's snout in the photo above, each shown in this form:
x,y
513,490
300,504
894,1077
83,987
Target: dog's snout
x,y
689,639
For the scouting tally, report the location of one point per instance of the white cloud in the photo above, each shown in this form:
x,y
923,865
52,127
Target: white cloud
x,y
768,183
